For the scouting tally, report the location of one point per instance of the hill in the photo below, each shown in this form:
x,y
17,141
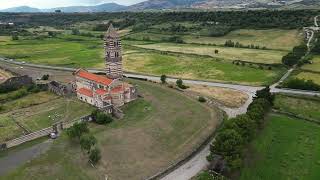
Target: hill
x,y
21,9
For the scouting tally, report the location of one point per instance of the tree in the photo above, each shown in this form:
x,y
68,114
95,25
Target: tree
x,y
45,77
87,141
77,130
244,125
100,117
95,155
75,32
216,51
227,143
265,93
15,37
202,99
163,79
179,83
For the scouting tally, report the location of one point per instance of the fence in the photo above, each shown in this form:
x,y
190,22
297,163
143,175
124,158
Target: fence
x,y
56,128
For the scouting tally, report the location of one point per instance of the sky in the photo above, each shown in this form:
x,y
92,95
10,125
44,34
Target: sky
x,y
60,3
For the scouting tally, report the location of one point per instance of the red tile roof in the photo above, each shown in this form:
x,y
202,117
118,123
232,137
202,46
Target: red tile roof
x,y
92,77
101,91
86,92
117,89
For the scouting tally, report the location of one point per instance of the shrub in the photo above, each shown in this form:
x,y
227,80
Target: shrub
x,y
95,155
77,130
163,79
302,84
45,77
101,118
202,99
87,141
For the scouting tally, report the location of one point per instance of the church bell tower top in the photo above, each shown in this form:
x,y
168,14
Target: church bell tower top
x,y
112,32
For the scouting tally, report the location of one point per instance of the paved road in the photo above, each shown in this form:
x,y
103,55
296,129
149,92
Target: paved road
x,y
16,159
198,162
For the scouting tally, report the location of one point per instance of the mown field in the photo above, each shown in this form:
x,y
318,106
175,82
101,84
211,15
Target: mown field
x,y
286,149
271,38
156,131
33,111
228,53
315,77
315,66
299,105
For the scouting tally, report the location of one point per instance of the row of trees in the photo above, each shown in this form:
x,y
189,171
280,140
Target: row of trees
x,y
295,56
230,43
238,132
80,132
239,19
302,84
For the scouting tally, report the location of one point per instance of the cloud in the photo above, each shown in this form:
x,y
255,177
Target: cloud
x,y
59,3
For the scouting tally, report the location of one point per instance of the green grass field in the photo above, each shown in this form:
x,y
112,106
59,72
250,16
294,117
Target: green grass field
x,y
77,51
303,106
156,131
286,149
271,38
245,54
190,67
33,113
315,66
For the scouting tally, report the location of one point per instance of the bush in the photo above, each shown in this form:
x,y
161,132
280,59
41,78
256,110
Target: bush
x,y
302,84
87,141
101,118
163,79
15,37
77,130
202,99
95,155
45,77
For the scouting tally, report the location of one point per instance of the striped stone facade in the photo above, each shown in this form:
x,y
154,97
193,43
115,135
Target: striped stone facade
x,y
113,54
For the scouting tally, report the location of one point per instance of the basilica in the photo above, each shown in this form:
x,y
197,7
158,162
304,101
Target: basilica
x,y
110,91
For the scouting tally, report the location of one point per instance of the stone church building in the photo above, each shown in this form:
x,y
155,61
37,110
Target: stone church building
x,y
106,92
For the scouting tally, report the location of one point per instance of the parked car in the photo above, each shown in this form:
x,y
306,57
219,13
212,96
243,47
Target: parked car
x,y
53,135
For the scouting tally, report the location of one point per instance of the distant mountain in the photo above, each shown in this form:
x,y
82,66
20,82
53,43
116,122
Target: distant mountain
x,y
21,9
108,7
178,4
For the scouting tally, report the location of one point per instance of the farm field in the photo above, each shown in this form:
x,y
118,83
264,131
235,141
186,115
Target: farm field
x,y
245,54
299,105
228,97
194,67
77,51
29,111
271,38
315,77
155,132
315,66
286,149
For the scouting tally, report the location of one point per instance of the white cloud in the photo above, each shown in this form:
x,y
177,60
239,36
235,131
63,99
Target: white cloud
x,y
59,3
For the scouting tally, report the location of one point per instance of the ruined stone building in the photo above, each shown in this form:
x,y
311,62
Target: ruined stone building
x,y
110,91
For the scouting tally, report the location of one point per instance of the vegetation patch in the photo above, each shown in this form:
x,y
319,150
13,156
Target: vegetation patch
x,y
299,105
229,53
286,149
228,97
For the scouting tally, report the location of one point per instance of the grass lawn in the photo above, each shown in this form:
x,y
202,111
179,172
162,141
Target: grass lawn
x,y
250,55
315,66
303,106
156,131
33,113
286,149
191,67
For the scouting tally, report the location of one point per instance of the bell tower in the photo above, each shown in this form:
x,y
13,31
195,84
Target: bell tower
x,y
113,55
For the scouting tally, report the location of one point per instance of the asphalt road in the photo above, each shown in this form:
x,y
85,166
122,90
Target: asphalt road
x,y
16,159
